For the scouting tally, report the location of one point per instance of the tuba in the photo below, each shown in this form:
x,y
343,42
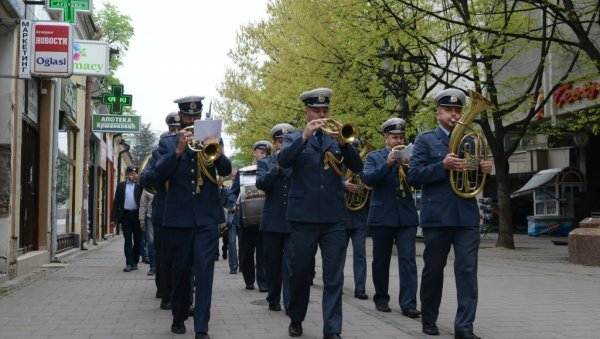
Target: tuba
x,y
471,146
355,201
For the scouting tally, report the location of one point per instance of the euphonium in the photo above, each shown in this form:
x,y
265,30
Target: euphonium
x,y
209,153
150,190
348,132
471,146
356,201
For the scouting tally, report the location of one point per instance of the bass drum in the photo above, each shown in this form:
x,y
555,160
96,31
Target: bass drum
x,y
252,200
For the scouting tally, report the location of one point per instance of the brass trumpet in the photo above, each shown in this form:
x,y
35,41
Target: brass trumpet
x,y
209,152
348,132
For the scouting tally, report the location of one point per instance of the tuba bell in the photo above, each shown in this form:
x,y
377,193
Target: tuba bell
x,y
355,201
468,144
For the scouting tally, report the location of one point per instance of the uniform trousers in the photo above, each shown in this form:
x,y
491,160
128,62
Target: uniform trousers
x,y
438,240
251,243
359,256
276,248
163,267
191,250
383,240
331,239
133,235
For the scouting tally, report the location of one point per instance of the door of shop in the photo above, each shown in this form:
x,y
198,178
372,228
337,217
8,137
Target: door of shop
x,y
28,228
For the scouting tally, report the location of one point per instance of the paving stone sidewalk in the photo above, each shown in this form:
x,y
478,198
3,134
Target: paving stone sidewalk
x,y
530,292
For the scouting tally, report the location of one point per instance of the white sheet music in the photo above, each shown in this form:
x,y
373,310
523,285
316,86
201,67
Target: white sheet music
x,y
207,128
406,152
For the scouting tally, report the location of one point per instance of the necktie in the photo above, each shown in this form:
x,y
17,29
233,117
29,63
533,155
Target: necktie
x,y
319,135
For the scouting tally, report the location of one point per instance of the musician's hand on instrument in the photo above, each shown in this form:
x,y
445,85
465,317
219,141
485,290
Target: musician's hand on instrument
x,y
453,162
311,127
184,138
391,159
350,187
209,140
486,166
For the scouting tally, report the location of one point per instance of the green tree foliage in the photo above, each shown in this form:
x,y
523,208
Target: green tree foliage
x,y
143,143
116,29
385,58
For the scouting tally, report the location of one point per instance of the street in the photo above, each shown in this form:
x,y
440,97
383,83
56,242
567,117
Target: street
x,y
530,292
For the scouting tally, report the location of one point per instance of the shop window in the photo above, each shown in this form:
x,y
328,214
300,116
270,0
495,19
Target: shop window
x,y
65,181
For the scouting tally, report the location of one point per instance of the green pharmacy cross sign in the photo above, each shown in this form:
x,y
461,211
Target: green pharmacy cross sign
x,y
69,8
116,99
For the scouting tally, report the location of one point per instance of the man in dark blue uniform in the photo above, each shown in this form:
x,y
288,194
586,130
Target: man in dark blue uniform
x,y
275,182
191,213
392,218
316,212
446,218
251,240
356,230
163,268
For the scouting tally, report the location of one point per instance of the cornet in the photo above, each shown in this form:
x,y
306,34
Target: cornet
x,y
209,152
347,132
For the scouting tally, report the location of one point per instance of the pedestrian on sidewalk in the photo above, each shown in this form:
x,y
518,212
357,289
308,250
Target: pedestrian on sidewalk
x,y
147,227
316,211
392,218
447,219
125,210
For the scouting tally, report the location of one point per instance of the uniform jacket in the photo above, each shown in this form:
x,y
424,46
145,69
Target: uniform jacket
x,y
316,194
182,206
388,207
440,206
119,202
276,185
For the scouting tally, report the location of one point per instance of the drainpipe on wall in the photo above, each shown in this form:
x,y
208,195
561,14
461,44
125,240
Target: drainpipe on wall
x,y
53,211
86,159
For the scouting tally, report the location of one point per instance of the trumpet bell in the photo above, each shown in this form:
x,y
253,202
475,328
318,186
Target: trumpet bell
x,y
348,132
209,152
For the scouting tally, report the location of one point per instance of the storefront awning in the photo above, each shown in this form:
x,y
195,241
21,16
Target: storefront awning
x,y
539,179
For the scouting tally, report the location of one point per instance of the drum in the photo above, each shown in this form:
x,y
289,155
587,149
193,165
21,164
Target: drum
x,y
252,200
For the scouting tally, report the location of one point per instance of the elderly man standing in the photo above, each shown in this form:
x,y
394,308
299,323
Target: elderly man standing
x,y
316,211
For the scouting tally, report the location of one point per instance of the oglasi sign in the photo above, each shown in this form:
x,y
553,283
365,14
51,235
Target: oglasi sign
x,y
52,49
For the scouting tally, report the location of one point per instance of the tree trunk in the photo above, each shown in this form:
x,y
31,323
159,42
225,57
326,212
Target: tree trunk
x,y
505,228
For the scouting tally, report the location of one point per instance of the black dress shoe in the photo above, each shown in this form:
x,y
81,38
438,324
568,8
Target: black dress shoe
x,y
465,335
202,336
232,271
178,327
411,313
295,329
224,255
191,311
275,307
361,295
383,308
127,269
250,286
165,305
263,289
431,329
332,336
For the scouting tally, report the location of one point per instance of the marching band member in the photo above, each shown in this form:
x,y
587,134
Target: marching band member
x,y
251,240
316,212
446,218
192,211
275,182
392,217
